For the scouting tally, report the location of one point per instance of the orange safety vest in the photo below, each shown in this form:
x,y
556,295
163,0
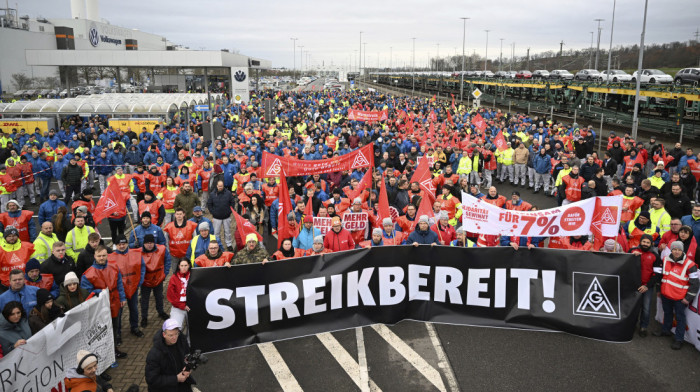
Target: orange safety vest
x,y
16,259
150,207
310,252
140,181
155,266
524,206
46,282
631,204
271,194
675,281
129,265
573,187
179,238
155,183
397,240
635,234
169,197
204,261
500,201
27,173
90,205
21,223
297,253
406,225
106,278
124,185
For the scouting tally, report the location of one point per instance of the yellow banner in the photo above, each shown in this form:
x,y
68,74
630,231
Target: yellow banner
x,y
6,125
136,124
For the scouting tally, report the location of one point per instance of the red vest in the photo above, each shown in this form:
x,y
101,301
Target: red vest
x,y
124,185
45,282
297,253
130,267
155,183
573,187
310,252
140,181
27,173
397,240
675,281
21,223
107,278
155,267
169,197
152,208
90,205
205,175
204,261
15,259
632,204
500,201
179,238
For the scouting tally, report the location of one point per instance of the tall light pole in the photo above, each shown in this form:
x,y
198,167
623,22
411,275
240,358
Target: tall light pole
x,y
391,57
486,56
364,59
359,57
301,55
512,57
635,119
464,37
500,60
294,70
413,68
590,54
612,29
597,50
437,62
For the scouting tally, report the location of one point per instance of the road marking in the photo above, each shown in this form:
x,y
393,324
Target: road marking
x,y
345,360
429,372
280,369
443,361
362,359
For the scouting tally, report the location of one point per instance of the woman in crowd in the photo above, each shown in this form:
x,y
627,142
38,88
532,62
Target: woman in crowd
x,y
71,294
44,312
167,196
286,251
685,235
14,327
255,208
177,290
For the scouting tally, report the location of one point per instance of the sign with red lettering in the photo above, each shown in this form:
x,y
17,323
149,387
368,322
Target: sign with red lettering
x,y
323,224
355,221
274,165
572,219
366,115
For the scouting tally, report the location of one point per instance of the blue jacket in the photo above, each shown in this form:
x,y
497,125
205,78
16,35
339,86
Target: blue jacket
x,y
136,237
133,157
48,209
542,164
684,161
39,168
150,157
103,166
201,245
26,296
58,166
423,237
31,225
305,239
200,220
87,285
694,224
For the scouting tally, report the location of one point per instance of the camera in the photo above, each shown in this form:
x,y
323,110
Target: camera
x,y
194,359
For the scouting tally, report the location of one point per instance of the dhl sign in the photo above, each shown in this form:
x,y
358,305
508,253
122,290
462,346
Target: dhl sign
x,y
136,124
29,125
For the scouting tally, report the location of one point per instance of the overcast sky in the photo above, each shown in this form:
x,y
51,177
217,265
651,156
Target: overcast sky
x,y
330,30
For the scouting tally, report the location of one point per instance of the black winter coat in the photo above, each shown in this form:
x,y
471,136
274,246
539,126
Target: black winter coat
x,y
163,363
72,174
219,203
58,269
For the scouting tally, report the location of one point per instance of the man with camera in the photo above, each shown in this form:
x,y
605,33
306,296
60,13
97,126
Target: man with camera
x,y
166,366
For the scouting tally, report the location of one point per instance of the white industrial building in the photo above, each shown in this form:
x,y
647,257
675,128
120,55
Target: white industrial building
x,y
40,48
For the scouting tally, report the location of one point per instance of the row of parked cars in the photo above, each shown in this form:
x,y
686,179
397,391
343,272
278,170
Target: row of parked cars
x,y
651,76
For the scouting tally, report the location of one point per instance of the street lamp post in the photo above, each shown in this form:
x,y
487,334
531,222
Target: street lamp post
x,y
464,37
294,70
486,55
590,54
500,60
413,68
391,56
301,59
359,57
597,50
437,62
635,119
612,29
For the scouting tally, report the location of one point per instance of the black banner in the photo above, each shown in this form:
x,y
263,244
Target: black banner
x,y
583,293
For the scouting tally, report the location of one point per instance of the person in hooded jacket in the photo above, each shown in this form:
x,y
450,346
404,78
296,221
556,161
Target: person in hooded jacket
x,y
83,377
165,363
14,327
44,312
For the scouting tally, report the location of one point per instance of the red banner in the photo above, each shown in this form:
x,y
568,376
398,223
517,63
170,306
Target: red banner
x,y
274,166
366,115
500,142
479,122
111,202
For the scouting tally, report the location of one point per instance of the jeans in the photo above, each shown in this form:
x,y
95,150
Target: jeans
x,y
146,296
132,303
646,308
217,223
45,187
670,306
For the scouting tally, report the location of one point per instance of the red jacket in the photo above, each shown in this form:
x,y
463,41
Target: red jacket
x,y
336,242
446,235
177,290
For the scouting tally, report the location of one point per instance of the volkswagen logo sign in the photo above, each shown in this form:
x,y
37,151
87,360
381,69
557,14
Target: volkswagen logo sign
x,y
93,36
239,76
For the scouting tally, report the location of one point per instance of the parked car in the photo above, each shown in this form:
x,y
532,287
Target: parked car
x,y
561,74
501,74
615,75
511,74
587,74
487,74
653,76
523,75
19,93
540,74
687,76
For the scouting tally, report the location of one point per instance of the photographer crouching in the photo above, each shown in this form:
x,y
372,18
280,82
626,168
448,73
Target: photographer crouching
x,y
169,363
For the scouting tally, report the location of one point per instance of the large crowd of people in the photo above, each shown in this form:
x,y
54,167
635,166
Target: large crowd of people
x,y
182,192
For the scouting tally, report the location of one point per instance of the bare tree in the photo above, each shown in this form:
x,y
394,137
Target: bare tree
x,y
21,81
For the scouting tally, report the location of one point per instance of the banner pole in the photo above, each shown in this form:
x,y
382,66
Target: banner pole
x,y
136,240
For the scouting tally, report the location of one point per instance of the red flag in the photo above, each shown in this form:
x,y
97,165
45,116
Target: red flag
x,y
449,118
433,116
425,207
285,208
423,176
666,159
383,206
244,227
479,122
453,101
111,202
309,209
500,142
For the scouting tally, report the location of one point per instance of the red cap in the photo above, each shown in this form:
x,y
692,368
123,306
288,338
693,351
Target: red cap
x,y
308,219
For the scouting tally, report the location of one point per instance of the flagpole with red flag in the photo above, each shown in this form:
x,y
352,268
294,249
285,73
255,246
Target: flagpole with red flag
x,y
285,208
244,227
110,202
